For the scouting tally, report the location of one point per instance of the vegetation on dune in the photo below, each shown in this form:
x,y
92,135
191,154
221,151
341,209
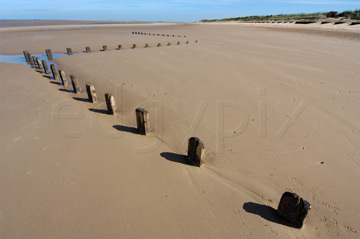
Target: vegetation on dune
x,y
351,15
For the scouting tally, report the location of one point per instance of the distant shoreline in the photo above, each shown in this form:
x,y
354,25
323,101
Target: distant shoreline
x,y
30,22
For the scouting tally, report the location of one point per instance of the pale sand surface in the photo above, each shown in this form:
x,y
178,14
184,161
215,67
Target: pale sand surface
x,y
101,184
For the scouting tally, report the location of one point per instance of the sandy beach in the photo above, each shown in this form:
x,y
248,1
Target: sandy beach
x,y
277,109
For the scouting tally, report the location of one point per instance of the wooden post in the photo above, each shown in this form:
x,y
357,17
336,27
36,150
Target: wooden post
x,y
54,72
142,121
134,46
110,103
75,84
169,44
146,45
159,44
90,89
105,48
45,66
63,79
32,64
35,62
119,47
196,41
187,42
293,209
49,54
87,49
69,51
26,54
196,152
38,61
178,43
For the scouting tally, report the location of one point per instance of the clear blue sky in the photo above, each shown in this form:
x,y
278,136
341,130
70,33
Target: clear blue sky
x,y
163,10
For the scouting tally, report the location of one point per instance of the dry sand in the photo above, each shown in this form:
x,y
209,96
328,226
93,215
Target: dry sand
x,y
296,97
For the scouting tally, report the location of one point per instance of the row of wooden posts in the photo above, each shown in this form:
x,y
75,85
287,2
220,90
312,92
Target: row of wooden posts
x,y
196,148
105,48
157,34
291,208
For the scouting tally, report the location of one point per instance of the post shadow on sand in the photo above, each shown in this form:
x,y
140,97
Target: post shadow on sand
x,y
126,129
81,99
65,90
49,77
174,157
101,111
55,82
266,212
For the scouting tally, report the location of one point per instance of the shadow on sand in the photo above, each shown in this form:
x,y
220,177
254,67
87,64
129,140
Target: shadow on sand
x,y
126,129
266,212
101,111
81,99
173,157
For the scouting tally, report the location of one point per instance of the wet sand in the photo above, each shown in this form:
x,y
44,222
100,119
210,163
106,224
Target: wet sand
x,y
289,106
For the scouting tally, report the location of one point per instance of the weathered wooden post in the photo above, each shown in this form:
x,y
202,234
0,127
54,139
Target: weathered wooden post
x,y
54,72
169,44
75,84
63,78
29,57
26,54
142,121
110,103
35,62
173,35
69,51
105,48
38,61
187,42
293,209
90,89
134,46
178,43
196,152
49,54
87,49
45,66
146,45
32,64
159,44
119,47
196,41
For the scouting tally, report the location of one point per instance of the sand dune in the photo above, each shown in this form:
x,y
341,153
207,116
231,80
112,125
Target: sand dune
x,y
289,106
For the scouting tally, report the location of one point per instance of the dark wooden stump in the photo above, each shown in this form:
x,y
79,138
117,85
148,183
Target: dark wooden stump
x,y
146,45
49,54
90,89
110,103
169,44
40,67
178,43
293,209
35,62
142,121
133,46
45,66
32,64
26,54
119,47
69,51
105,48
159,44
54,72
87,49
75,84
63,78
196,152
